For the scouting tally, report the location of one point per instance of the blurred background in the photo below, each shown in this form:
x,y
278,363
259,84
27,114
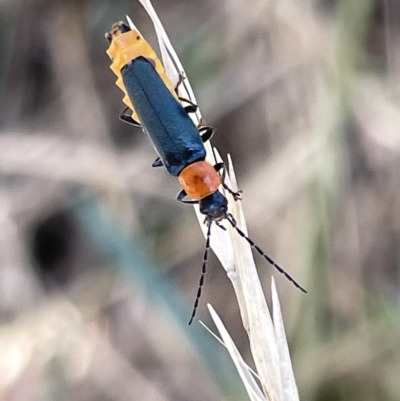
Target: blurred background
x,y
99,264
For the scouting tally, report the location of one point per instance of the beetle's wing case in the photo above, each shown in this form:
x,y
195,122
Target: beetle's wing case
x,y
172,131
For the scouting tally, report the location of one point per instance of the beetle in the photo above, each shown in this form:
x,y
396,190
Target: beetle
x,y
156,107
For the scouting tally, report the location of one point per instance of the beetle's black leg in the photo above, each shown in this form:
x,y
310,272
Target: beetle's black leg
x,y
157,163
180,197
192,108
127,118
236,195
180,80
218,167
206,133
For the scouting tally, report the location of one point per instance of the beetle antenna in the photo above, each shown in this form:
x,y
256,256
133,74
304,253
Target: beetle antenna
x,y
203,273
233,223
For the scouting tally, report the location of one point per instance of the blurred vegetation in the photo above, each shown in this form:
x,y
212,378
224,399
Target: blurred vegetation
x,y
98,263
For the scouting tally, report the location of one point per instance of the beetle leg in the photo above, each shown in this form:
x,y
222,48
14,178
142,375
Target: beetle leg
x,y
157,163
180,197
206,133
180,80
236,195
192,108
127,118
218,167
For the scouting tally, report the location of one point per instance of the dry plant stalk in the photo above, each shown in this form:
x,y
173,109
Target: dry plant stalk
x,y
267,340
